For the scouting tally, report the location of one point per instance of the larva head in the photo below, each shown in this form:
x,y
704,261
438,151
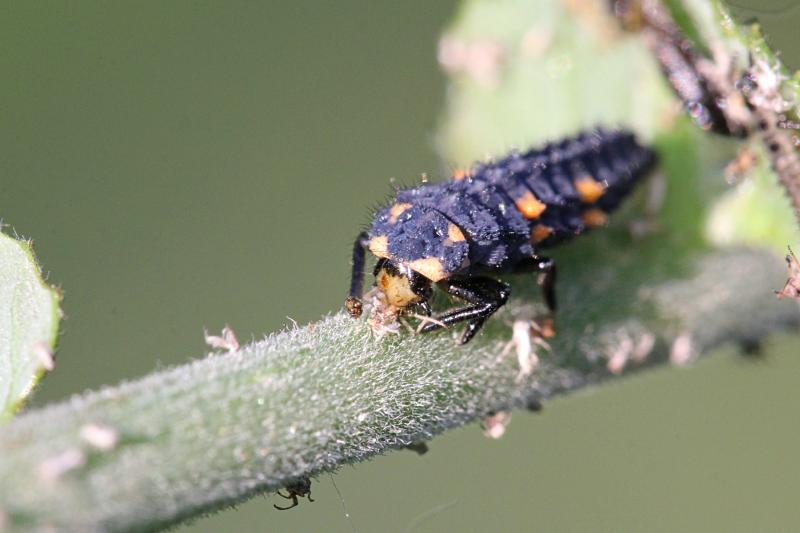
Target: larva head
x,y
415,246
400,286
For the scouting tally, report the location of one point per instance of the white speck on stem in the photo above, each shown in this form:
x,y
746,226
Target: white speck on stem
x,y
619,355
682,352
482,60
99,436
56,466
644,345
521,341
495,426
226,341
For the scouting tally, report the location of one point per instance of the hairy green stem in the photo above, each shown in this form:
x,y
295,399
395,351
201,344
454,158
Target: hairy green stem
x,y
186,441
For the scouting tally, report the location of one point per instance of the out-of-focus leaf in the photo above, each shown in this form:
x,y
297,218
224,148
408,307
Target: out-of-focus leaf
x,y
29,315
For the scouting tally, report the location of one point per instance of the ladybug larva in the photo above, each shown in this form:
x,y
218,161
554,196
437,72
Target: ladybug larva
x,y
491,220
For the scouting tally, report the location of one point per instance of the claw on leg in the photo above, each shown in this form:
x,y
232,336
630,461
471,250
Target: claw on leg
x,y
484,296
300,488
423,320
295,503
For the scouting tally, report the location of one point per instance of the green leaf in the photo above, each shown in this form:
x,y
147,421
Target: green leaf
x,y
29,315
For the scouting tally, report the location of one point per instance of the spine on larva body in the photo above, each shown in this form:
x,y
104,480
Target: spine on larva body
x,y
501,213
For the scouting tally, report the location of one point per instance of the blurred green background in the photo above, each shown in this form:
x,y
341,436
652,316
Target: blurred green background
x,y
186,165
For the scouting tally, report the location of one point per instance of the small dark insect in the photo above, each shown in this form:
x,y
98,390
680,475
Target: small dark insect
x,y
708,93
534,405
420,447
299,489
491,220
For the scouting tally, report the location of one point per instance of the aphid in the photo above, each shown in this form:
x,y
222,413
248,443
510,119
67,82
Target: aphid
x,y
762,88
299,489
792,287
722,99
492,220
705,88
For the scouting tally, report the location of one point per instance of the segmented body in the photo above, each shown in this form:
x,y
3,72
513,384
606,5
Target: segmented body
x,y
500,214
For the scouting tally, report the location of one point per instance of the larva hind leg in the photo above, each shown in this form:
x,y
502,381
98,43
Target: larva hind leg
x,y
486,296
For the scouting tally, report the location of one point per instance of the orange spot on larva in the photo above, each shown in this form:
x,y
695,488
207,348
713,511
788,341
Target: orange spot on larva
x,y
530,206
454,233
430,267
396,211
460,174
379,246
594,217
540,232
589,190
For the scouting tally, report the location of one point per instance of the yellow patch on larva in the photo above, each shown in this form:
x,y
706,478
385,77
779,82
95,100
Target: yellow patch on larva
x,y
396,211
430,267
459,174
594,218
379,246
588,189
454,233
396,289
540,232
530,206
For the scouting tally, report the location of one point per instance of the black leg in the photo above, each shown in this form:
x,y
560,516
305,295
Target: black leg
x,y
353,302
292,497
486,296
426,307
546,279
